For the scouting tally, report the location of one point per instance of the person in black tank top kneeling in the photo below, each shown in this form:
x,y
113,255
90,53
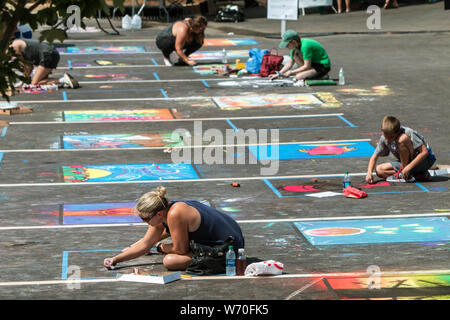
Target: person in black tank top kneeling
x,y
183,221
46,58
183,38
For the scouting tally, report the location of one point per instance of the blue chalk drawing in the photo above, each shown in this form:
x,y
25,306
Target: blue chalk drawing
x,y
365,231
313,150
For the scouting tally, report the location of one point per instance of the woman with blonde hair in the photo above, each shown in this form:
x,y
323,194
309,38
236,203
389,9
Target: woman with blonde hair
x,y
184,37
183,221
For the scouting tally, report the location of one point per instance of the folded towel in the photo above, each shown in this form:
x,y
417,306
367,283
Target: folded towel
x,y
269,267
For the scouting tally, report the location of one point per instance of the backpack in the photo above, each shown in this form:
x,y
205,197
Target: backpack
x,y
209,260
256,55
270,63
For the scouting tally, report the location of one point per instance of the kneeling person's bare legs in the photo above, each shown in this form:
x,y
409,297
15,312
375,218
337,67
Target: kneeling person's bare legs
x,y
40,75
176,262
306,74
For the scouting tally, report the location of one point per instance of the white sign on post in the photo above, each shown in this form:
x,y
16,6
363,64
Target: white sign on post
x,y
282,10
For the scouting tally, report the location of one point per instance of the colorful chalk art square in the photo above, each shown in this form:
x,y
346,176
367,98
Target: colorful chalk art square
x,y
128,172
322,187
229,42
122,141
112,77
393,282
117,115
217,55
366,231
210,68
312,150
101,49
266,100
94,213
99,213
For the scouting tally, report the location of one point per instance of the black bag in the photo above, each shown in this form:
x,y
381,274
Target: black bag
x,y
208,260
230,13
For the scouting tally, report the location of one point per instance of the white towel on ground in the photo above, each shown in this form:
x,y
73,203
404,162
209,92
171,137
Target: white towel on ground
x,y
265,268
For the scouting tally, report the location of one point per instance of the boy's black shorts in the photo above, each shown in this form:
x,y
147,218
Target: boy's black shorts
x,y
320,69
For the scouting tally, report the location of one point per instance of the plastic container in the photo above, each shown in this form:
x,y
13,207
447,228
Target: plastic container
x,y
224,56
346,181
230,268
126,22
341,77
136,22
241,262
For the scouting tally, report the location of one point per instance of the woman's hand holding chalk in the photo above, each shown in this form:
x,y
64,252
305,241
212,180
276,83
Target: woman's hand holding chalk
x,y
108,263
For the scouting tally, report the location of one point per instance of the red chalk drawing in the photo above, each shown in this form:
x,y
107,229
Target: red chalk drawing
x,y
327,150
379,184
331,232
300,188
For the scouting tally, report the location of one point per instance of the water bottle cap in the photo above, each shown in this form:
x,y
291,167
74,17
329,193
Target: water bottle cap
x,y
230,247
346,172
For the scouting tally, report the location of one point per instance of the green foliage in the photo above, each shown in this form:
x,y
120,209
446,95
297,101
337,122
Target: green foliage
x,y
37,13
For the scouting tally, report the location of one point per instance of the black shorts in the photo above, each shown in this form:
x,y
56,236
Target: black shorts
x,y
167,45
49,58
421,167
320,69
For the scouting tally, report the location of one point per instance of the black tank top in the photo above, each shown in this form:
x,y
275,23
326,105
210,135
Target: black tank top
x,y
215,226
167,32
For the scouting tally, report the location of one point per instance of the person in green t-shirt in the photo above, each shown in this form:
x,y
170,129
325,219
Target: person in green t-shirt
x,y
309,55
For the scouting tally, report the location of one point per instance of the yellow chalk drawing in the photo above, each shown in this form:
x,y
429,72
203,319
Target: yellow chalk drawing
x,y
329,100
373,91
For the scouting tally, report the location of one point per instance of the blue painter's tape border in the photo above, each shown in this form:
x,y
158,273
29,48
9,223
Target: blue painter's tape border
x,y
267,182
232,125
206,84
156,76
347,122
65,262
164,93
4,131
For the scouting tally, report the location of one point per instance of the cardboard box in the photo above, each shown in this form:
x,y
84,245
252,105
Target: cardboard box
x,y
153,277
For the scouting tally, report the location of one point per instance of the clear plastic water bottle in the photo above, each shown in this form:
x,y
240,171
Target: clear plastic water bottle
x,y
346,181
224,56
230,262
241,262
341,77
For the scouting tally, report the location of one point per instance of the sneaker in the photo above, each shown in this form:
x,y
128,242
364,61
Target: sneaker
x,y
167,62
399,178
70,81
423,177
